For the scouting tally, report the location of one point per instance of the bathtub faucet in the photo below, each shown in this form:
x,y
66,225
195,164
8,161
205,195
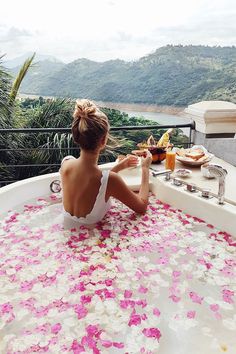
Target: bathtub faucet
x,y
166,173
218,171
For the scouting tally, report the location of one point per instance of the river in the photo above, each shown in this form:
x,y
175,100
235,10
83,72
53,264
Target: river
x,y
161,118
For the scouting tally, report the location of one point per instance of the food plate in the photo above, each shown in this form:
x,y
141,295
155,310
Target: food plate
x,y
189,162
199,156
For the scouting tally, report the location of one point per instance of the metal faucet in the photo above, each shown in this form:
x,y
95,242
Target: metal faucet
x,y
166,173
218,171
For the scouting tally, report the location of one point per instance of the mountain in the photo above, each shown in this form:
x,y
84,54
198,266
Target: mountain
x,y
13,63
38,75
172,75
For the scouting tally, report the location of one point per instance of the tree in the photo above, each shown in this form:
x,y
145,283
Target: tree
x,y
9,90
5,88
8,93
20,76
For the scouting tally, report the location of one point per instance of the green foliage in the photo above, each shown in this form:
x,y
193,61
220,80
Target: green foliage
x,y
11,145
5,87
43,149
172,75
20,76
52,113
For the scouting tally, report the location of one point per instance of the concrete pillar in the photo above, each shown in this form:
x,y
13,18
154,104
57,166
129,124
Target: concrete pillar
x,y
215,124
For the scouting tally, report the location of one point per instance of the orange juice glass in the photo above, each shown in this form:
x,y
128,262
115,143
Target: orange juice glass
x,y
170,160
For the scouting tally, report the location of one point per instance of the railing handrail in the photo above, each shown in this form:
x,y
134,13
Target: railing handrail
x,y
190,125
68,130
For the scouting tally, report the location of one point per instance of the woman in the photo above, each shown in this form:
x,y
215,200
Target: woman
x,y
86,189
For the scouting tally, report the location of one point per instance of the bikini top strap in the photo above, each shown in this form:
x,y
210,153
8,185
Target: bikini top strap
x,y
103,187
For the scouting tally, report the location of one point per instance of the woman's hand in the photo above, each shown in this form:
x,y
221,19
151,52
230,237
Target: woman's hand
x,y
147,160
125,162
129,161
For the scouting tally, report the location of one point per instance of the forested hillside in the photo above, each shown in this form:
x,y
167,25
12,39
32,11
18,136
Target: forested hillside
x,y
172,75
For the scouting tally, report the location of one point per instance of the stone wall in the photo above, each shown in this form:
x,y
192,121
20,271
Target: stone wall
x,y
224,148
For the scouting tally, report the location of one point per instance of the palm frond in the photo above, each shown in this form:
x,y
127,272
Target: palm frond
x,y
23,71
5,87
53,113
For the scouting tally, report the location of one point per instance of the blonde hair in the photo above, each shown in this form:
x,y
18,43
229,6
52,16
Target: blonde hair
x,y
89,124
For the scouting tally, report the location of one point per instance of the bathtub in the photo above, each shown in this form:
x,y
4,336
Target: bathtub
x,y
221,216
159,283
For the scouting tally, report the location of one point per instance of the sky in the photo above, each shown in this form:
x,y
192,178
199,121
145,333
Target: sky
x,y
109,29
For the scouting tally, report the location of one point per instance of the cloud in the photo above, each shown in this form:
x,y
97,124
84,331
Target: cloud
x,y
110,3
13,34
214,30
111,29
217,29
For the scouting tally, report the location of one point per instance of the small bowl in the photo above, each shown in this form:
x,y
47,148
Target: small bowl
x,y
183,172
158,152
205,172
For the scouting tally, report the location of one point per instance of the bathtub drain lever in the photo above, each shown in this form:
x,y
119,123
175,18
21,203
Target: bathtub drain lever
x,y
55,186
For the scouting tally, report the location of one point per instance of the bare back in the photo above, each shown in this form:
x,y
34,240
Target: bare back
x,y
81,186
87,189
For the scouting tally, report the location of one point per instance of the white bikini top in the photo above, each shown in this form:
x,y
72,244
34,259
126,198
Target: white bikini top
x,y
100,206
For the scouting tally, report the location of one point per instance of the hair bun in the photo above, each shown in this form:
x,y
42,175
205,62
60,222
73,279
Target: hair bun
x,y
90,124
84,109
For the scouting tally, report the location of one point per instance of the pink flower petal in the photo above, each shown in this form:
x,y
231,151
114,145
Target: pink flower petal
x,y
152,333
191,314
134,320
156,312
56,328
214,307
142,289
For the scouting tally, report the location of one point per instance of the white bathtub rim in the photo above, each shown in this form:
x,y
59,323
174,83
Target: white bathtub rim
x,y
19,192
25,181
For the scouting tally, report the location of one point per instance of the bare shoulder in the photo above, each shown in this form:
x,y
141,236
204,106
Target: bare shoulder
x,y
114,183
67,165
114,179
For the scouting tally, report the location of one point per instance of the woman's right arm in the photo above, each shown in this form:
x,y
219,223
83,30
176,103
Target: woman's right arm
x,y
119,190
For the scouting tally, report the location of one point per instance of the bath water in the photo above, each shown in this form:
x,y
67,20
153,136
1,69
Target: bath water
x,y
163,282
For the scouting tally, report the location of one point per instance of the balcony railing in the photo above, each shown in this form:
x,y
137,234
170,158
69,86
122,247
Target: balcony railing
x,y
12,172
